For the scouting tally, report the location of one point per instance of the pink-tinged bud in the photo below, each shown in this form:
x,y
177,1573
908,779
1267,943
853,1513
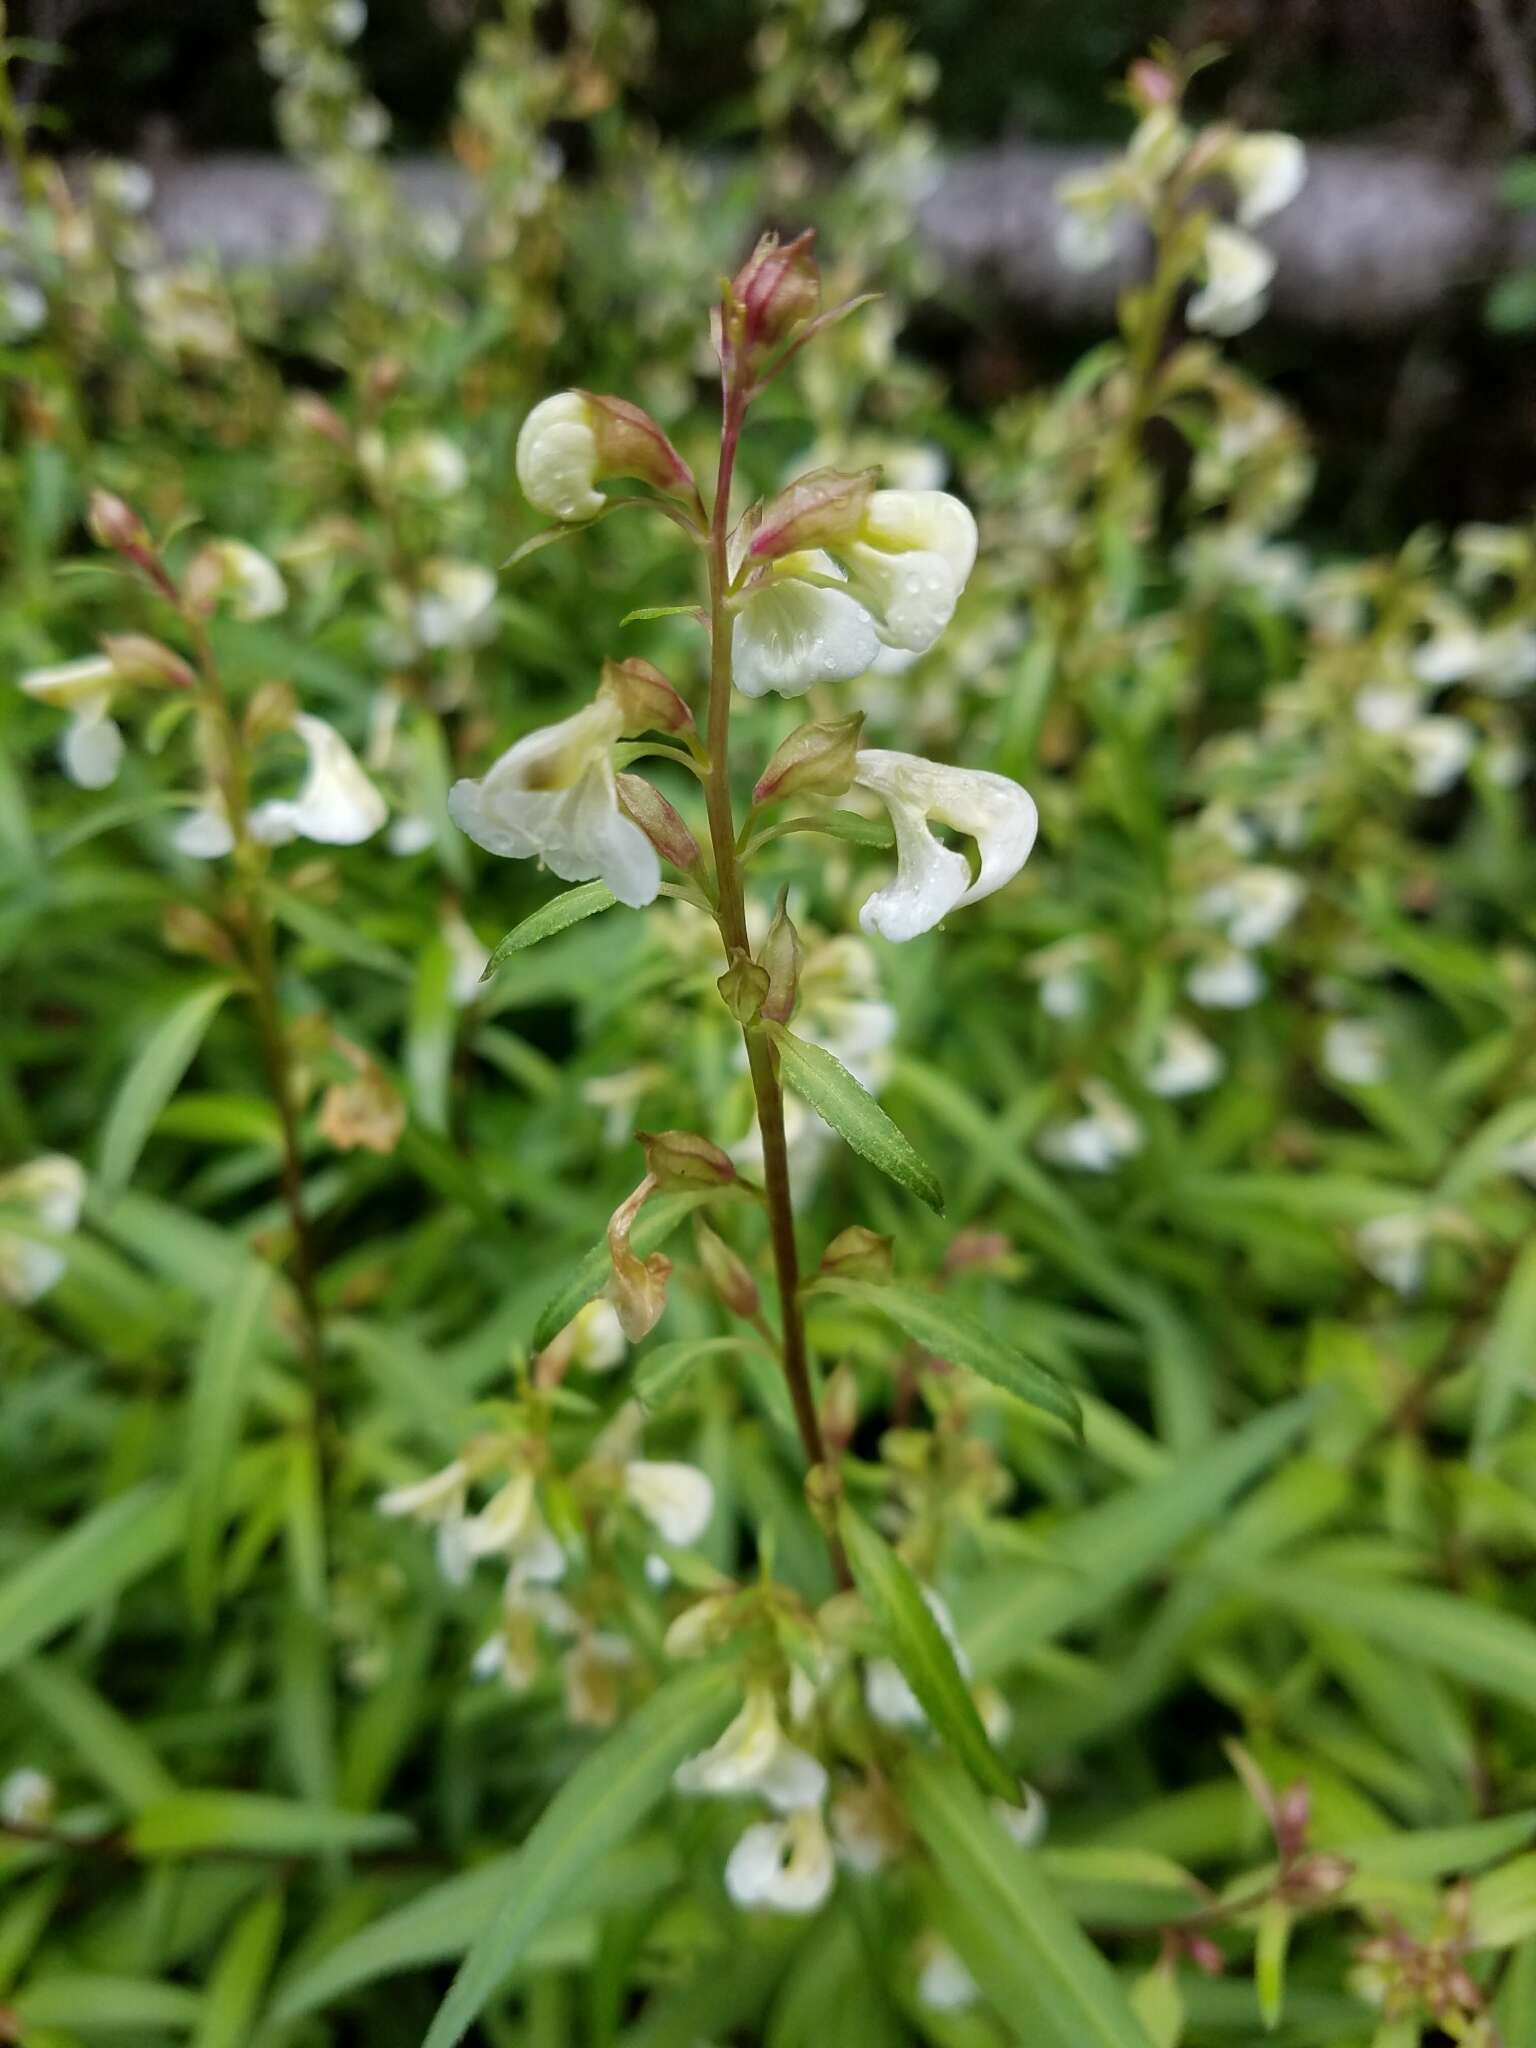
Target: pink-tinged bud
x,y
136,658
727,1275
637,1287
743,988
1293,1812
311,413
663,825
1204,1954
114,524
1319,1876
681,1160
817,759
824,509
644,697
858,1254
1151,84
777,289
780,958
382,380
629,443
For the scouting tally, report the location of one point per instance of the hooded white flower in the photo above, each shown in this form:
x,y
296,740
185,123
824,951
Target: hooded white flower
x,y
430,465
553,796
1254,905
1185,1062
1451,653
1097,1141
1354,1052
251,584
887,1694
1091,223
438,1501
1238,273
1268,171
944,1984
52,1189
931,879
912,559
1381,708
598,1343
91,750
205,833
27,1797
1439,747
452,602
786,1865
1228,980
557,459
789,634
677,1500
1393,1248
336,805
754,1755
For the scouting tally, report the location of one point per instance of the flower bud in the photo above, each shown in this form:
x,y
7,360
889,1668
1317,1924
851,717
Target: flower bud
x,y
818,758
661,823
186,930
776,290
840,1407
645,698
136,658
823,509
725,1271
681,1160
857,1254
114,524
744,988
271,710
780,958
637,1287
233,573
1151,84
629,443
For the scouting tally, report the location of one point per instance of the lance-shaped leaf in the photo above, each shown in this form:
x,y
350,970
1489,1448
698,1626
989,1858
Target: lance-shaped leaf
x,y
922,1651
555,916
854,1114
951,1333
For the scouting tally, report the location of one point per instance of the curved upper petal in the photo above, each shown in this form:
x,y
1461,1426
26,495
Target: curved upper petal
x,y
557,458
789,635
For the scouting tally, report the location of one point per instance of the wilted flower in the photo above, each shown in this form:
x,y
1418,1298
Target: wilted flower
x,y
51,1189
1238,272
1185,1061
366,1112
1099,1140
786,1865
677,1500
92,747
336,805
931,879
553,796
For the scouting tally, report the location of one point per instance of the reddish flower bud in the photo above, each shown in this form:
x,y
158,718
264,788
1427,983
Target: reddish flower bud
x,y
314,416
817,758
822,509
777,289
114,524
629,443
644,697
1152,84
664,826
137,658
681,1160
858,1254
726,1273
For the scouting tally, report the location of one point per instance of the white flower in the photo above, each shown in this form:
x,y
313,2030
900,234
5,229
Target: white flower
x,y
1238,274
23,308
127,186
501,1523
346,19
452,601
467,957
1228,980
1393,1247
557,458
944,1984
1027,1822
754,1755
1380,708
931,880
252,585
205,833
786,1865
439,1501
598,1343
1452,652
914,554
1355,1052
1092,219
52,1189
336,805
553,795
1064,993
1508,660
790,634
92,747
26,1798
1097,1141
411,833
886,1692
1185,1063
1438,748
1268,171
431,465
677,1500
1253,906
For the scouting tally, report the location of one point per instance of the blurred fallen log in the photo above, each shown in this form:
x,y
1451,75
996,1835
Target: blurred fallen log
x,y
1379,240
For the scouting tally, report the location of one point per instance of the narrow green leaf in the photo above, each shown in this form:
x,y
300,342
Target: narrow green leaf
x,y
220,1382
77,1572
1271,1943
107,1747
152,1080
558,915
854,1114
193,1822
661,1372
954,1334
1508,1356
1030,1957
658,611
239,1976
83,2001
657,1221
596,1806
921,1649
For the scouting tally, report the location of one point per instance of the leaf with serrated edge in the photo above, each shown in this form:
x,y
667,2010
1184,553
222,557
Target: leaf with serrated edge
x,y
854,1114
